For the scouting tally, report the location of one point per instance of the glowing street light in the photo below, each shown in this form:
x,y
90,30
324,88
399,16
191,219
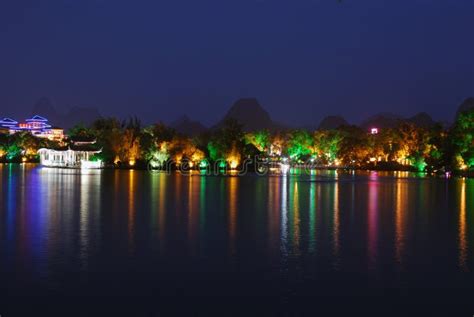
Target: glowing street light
x,y
203,164
233,164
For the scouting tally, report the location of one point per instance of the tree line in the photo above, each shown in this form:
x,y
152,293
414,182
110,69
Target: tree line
x,y
406,146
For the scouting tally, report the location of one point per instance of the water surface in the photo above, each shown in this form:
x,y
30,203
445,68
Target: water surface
x,y
139,242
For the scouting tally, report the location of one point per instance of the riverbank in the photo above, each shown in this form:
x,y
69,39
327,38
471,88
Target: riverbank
x,y
294,169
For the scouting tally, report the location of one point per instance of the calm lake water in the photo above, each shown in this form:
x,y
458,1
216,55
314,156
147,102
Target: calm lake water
x,y
139,243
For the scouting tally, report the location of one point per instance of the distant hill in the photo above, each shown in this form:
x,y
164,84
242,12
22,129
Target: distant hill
x,y
422,120
45,108
389,120
381,121
249,113
186,126
467,104
80,115
75,115
332,122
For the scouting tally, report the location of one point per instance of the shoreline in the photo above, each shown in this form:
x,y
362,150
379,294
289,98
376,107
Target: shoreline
x,y
237,172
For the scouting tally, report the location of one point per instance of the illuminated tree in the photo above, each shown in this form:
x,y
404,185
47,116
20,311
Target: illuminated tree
x,y
157,155
24,144
3,146
80,131
13,152
129,150
299,144
259,139
108,132
156,143
327,145
183,149
277,144
130,147
411,144
227,143
353,148
462,140
162,133
438,148
215,151
197,156
233,157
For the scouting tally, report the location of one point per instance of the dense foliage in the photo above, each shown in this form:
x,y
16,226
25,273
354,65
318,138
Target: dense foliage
x,y
127,143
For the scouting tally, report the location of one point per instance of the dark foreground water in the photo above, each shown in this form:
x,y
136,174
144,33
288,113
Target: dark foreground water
x,y
139,243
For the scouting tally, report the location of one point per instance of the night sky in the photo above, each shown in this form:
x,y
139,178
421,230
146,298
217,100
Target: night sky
x,y
303,59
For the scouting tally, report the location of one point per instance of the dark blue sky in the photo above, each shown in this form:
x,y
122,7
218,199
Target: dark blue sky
x,y
303,59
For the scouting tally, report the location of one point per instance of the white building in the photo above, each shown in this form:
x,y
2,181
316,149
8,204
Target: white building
x,y
77,155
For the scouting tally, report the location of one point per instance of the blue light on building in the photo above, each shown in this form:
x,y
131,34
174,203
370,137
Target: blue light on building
x,y
36,125
8,123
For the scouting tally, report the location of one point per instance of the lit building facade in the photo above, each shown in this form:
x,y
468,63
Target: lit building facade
x,y
7,125
76,155
37,125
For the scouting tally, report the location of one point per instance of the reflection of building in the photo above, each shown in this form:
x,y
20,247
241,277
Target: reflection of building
x,y
79,154
37,125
